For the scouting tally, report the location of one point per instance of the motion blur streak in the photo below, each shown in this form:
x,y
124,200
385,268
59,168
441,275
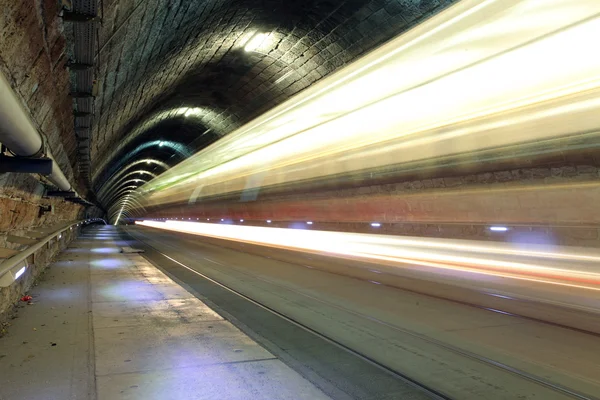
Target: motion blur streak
x,y
563,267
482,75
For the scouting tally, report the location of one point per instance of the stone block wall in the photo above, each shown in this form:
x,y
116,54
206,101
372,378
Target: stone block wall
x,y
21,199
33,58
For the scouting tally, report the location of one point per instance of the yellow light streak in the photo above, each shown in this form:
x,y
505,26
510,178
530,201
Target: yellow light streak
x,y
499,259
482,75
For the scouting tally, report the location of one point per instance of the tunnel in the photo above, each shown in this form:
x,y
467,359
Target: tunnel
x,y
300,199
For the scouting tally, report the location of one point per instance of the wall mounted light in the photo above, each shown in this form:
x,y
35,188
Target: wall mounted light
x,y
20,272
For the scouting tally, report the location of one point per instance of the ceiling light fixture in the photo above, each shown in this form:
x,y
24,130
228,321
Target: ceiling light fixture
x,y
256,42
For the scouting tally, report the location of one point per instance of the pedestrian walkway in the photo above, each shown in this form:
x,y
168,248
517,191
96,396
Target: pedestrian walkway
x,y
109,325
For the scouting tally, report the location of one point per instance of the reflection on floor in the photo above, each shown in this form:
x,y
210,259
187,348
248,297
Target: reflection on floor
x,y
111,326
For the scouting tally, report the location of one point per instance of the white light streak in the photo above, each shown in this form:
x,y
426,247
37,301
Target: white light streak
x,y
578,269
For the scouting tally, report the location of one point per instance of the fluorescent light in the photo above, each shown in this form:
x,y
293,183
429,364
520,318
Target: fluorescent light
x,y
498,228
268,221
20,272
309,223
255,42
375,224
241,220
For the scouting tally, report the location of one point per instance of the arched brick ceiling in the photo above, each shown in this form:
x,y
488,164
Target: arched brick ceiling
x,y
183,62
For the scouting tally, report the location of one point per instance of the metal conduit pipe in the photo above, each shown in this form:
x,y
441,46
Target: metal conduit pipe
x,y
19,135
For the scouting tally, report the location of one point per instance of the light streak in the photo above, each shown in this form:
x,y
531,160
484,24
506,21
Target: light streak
x,y
483,75
499,260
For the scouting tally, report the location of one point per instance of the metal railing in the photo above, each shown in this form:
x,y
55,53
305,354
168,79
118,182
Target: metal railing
x,y
13,267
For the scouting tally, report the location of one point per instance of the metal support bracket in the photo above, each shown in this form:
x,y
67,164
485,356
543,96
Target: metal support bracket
x,y
78,17
24,165
81,95
75,66
60,193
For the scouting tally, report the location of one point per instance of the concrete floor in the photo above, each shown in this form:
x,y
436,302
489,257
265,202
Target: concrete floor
x,y
106,325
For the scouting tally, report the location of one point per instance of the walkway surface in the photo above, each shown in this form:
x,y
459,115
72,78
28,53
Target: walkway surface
x,y
107,325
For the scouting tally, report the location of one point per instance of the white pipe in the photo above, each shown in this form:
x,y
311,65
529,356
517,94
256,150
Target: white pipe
x,y
20,136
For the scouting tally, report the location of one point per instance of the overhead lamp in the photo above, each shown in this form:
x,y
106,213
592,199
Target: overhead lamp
x,y
255,42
